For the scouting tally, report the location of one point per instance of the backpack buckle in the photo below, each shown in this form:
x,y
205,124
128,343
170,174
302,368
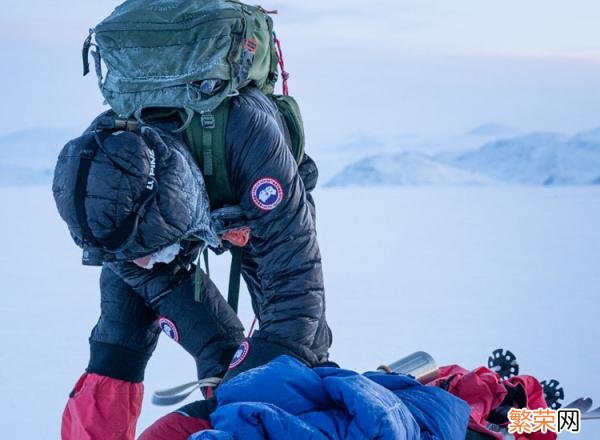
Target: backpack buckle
x,y
207,120
126,124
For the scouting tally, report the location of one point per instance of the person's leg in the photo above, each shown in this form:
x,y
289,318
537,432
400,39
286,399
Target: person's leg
x,y
106,401
211,332
206,327
180,424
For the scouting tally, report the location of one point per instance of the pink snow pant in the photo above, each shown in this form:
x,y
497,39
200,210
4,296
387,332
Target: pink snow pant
x,y
102,408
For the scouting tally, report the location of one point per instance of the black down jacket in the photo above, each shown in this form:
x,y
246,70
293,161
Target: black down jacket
x,y
281,262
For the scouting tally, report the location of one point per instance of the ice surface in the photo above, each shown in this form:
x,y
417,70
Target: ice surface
x,y
28,156
457,272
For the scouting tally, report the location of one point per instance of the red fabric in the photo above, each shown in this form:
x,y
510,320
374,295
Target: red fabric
x,y
238,237
285,75
484,390
535,400
102,408
174,426
480,388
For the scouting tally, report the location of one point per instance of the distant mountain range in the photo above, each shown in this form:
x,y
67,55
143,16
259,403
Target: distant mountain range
x,y
28,157
533,159
492,130
405,168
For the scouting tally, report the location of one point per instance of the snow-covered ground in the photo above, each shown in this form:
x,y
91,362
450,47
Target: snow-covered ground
x,y
457,272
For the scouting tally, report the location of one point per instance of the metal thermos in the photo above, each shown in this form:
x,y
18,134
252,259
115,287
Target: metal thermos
x,y
420,365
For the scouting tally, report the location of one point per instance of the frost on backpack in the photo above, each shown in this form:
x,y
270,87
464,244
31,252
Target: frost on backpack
x,y
189,54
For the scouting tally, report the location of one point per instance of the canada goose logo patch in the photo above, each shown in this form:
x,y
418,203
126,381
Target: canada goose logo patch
x,y
267,193
169,328
240,355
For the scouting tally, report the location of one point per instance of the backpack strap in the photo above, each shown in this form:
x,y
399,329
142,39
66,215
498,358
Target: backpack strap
x,y
233,293
235,271
205,136
198,273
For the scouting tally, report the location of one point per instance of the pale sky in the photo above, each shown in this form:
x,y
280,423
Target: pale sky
x,y
386,66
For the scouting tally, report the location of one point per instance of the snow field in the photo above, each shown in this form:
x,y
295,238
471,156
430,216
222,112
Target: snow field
x,y
456,272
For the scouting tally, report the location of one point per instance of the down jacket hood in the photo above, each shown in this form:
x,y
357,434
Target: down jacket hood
x,y
124,168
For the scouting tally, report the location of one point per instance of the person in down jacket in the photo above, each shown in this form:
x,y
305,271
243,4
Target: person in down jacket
x,y
139,200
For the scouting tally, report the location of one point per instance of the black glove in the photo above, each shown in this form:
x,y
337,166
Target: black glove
x,y
254,352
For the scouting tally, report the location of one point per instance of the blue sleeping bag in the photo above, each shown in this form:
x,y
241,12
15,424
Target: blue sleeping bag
x,y
287,400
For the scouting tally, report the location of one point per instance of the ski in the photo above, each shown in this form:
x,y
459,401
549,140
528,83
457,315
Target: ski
x,y
591,415
583,404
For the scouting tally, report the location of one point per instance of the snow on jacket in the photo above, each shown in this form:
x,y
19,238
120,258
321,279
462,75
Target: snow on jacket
x,y
281,263
285,399
122,168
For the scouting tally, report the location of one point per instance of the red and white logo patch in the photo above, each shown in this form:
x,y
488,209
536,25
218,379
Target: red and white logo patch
x,y
240,355
267,193
169,328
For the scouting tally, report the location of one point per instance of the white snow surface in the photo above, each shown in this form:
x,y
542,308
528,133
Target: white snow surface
x,y
456,272
28,156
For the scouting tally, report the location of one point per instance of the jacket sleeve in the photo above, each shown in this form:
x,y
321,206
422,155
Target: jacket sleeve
x,y
153,284
282,258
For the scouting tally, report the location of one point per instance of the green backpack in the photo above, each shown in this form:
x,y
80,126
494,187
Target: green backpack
x,y
191,55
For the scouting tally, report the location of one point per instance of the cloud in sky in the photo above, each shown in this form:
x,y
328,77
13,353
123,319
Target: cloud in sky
x,y
549,27
533,27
